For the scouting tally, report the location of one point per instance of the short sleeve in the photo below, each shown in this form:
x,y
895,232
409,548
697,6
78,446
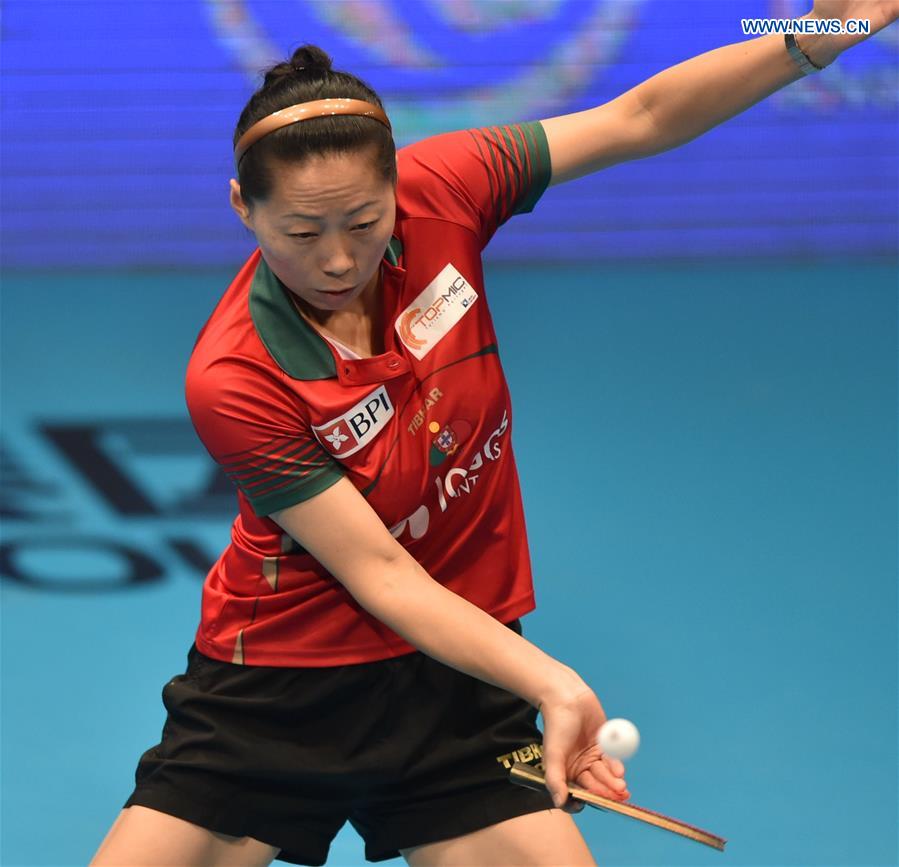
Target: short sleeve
x,y
477,177
255,431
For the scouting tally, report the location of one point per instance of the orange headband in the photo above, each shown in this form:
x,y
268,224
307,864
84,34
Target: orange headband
x,y
305,111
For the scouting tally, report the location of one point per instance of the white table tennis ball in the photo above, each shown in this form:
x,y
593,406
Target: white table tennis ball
x,y
618,738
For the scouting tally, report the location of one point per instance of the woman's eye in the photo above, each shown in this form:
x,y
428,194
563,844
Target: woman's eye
x,y
303,235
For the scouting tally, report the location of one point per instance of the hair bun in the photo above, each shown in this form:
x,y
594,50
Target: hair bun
x,y
305,59
310,56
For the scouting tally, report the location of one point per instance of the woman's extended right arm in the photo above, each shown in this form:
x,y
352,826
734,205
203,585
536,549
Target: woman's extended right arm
x,y
340,529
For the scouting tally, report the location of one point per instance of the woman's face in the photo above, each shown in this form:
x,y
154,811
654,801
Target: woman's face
x,y
325,226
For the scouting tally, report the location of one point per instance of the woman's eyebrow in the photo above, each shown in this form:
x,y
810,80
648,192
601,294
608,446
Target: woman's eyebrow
x,y
314,217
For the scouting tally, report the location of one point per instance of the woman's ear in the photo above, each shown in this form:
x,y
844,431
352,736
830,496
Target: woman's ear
x,y
238,204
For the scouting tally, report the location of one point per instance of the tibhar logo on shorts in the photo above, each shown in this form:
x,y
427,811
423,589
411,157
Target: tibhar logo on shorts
x,y
525,754
428,319
358,426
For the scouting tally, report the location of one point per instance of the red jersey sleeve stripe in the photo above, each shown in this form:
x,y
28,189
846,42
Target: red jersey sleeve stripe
x,y
539,164
477,138
257,448
288,495
527,165
293,477
274,472
516,162
303,452
264,483
508,159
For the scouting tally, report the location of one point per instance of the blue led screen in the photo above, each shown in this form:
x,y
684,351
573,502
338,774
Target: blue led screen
x,y
117,119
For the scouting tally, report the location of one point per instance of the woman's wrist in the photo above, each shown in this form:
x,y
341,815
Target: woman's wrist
x,y
817,47
563,683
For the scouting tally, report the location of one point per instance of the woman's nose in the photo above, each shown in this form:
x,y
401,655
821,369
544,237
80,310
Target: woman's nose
x,y
337,261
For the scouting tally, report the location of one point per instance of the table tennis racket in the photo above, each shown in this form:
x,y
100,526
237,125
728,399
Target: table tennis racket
x,y
533,778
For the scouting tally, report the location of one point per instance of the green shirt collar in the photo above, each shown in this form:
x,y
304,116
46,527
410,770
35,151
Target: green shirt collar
x,y
299,350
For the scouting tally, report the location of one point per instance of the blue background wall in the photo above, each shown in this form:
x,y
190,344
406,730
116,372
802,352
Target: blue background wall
x,y
702,353
118,116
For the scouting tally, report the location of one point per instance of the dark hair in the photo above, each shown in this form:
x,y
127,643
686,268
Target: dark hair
x,y
307,76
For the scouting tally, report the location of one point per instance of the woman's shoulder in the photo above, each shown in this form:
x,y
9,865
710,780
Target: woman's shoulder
x,y
229,335
477,177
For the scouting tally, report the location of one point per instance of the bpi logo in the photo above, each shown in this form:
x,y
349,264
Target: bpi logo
x,y
358,426
428,319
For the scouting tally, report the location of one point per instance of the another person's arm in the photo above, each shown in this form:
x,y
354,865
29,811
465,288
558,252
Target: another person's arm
x,y
682,102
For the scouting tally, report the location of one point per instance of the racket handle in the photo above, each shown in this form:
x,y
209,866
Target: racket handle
x,y
524,775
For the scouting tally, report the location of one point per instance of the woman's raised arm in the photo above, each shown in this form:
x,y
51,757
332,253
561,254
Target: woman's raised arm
x,y
680,103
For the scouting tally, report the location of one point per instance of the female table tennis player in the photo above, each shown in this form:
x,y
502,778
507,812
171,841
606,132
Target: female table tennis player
x,y
360,654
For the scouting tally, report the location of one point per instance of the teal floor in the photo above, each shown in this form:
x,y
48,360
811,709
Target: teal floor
x,y
708,462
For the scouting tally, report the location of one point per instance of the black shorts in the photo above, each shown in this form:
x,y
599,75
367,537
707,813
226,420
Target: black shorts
x,y
409,750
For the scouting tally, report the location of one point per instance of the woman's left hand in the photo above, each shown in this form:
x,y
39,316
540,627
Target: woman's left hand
x,y
879,12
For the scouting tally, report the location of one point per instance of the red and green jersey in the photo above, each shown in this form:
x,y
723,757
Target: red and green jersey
x,y
423,430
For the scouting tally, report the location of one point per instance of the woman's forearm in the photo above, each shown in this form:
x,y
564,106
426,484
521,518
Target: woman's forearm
x,y
456,632
690,98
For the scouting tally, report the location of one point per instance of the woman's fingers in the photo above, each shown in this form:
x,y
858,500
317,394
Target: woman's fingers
x,y
604,777
605,774
616,766
599,779
554,778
